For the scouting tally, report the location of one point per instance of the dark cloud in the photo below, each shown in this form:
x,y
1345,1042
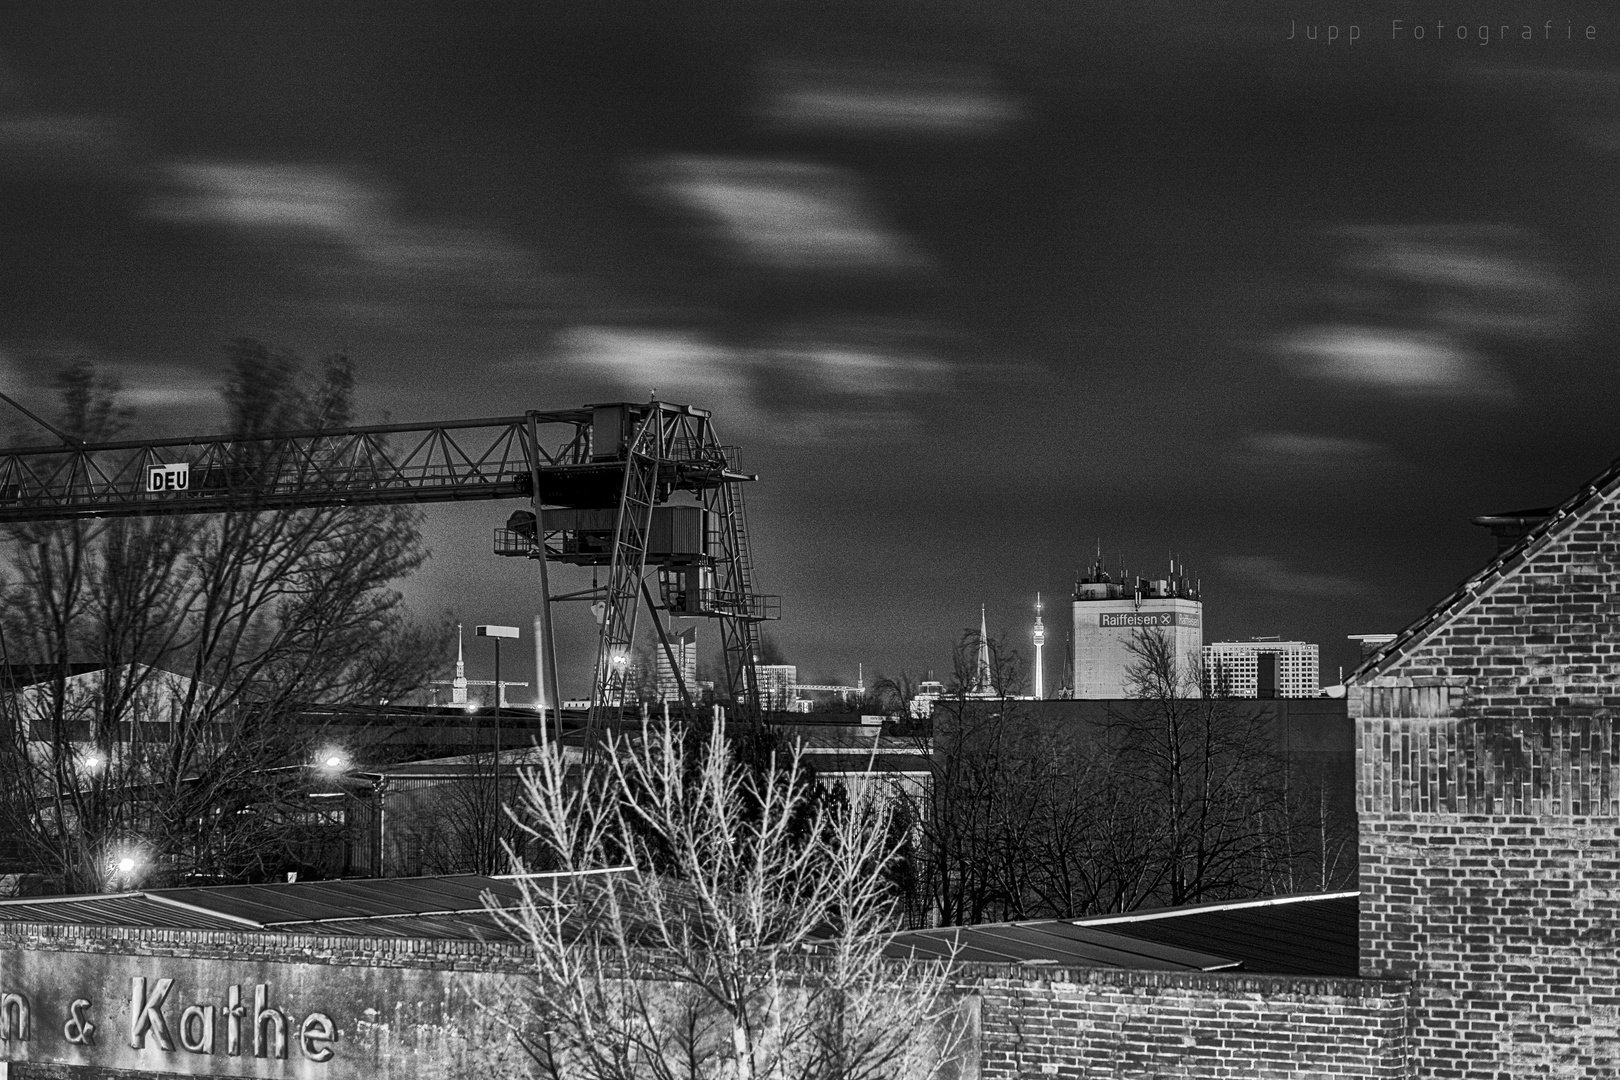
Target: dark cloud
x,y
972,284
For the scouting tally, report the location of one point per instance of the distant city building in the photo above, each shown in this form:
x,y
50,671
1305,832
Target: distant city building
x,y
684,646
1110,612
1371,643
1263,668
778,686
929,691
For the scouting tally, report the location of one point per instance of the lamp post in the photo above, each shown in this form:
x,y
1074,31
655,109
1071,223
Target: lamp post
x,y
497,632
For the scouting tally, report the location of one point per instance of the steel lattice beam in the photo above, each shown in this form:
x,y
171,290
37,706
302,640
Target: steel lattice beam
x,y
628,456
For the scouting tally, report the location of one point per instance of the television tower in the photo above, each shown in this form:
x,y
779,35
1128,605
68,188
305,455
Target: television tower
x,y
1040,641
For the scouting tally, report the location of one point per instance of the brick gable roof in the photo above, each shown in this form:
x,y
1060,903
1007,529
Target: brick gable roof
x,y
1601,489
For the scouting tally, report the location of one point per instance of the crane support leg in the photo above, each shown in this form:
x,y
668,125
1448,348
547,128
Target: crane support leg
x,y
634,520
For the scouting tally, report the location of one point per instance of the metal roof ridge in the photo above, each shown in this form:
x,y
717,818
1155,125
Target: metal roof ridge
x,y
1202,909
158,897
563,873
1127,945
381,915
70,898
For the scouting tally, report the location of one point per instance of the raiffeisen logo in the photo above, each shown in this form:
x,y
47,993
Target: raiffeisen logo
x,y
1138,618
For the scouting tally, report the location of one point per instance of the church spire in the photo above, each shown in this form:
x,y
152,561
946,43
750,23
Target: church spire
x,y
458,685
981,670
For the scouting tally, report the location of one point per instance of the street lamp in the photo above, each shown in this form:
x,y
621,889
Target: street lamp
x,y
497,632
125,861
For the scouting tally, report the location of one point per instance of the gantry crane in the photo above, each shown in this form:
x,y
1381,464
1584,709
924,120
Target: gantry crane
x,y
643,489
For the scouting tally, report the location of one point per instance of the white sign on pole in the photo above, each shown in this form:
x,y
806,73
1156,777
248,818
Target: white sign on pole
x,y
168,477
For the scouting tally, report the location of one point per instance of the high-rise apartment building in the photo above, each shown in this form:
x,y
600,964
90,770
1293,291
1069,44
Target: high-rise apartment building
x,y
1263,668
684,646
1110,612
778,686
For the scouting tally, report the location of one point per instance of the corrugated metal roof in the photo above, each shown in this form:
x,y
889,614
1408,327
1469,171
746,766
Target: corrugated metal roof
x,y
1052,942
441,907
1286,935
305,902
127,909
1290,935
1314,934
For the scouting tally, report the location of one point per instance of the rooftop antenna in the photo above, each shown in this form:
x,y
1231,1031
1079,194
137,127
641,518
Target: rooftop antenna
x,y
67,440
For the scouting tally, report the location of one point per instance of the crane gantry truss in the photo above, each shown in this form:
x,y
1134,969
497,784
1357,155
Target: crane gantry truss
x,y
621,457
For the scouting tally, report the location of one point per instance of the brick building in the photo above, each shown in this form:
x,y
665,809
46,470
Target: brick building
x,y
1489,801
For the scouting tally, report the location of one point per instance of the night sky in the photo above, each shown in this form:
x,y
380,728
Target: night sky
x,y
976,286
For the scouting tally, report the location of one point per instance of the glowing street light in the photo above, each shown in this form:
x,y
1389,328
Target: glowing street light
x,y
332,759
125,863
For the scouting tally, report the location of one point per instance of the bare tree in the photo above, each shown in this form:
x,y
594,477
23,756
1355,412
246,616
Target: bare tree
x,y
708,920
1204,772
205,635
461,826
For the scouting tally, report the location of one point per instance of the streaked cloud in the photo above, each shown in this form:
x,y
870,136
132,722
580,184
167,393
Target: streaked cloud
x,y
322,201
1403,361
1479,279
788,391
790,215
60,142
1295,450
1269,575
852,98
670,362
391,267
250,195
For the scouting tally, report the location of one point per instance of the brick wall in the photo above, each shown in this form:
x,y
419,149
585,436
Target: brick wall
x,y
1106,1023
1489,807
1029,1022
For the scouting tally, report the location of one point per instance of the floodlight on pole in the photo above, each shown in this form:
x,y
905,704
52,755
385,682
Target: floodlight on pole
x,y
509,633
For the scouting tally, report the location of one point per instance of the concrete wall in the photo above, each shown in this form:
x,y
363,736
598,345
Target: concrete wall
x,y
396,1009
403,1008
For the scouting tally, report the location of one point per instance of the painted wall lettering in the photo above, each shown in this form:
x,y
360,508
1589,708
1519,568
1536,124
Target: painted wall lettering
x,y
316,1037
264,1015
160,1018
77,1029
233,1021
146,1013
16,1019
197,1029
